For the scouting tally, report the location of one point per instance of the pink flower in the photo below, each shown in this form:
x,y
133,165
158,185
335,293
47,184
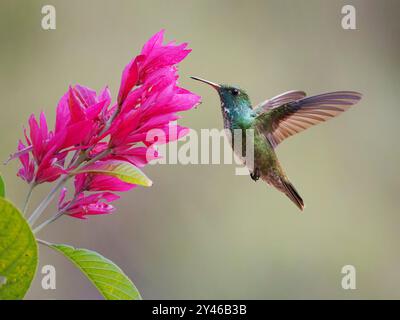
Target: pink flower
x,y
83,205
26,172
90,129
138,156
100,182
48,149
154,108
154,56
82,105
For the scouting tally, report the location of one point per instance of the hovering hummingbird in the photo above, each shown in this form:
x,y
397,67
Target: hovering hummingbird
x,y
273,121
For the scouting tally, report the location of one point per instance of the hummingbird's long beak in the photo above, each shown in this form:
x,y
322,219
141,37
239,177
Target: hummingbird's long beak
x,y
212,84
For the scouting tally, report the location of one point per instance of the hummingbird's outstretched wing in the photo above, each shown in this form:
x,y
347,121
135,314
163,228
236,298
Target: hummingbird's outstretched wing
x,y
279,100
281,122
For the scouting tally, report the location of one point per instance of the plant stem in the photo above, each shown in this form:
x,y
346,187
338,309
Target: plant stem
x,y
101,155
41,226
46,201
56,216
111,120
28,197
43,242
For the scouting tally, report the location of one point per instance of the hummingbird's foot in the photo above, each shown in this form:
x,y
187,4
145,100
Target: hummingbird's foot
x,y
255,175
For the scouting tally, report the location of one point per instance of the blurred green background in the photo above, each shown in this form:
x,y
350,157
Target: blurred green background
x,y
200,231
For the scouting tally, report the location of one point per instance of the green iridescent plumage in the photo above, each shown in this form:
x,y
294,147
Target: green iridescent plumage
x,y
273,121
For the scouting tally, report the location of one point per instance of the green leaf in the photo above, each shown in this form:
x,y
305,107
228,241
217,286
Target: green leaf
x,y
106,276
18,253
2,188
122,170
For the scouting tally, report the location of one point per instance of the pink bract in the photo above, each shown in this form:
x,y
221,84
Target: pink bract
x,y
90,128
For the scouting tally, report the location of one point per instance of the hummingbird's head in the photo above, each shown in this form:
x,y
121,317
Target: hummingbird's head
x,y
232,98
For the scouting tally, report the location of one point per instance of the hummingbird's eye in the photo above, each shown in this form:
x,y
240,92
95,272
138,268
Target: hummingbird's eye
x,y
235,92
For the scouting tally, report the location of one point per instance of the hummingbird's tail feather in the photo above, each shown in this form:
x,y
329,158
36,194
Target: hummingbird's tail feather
x,y
292,194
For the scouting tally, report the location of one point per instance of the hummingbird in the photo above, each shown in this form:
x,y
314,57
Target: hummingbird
x,y
275,120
